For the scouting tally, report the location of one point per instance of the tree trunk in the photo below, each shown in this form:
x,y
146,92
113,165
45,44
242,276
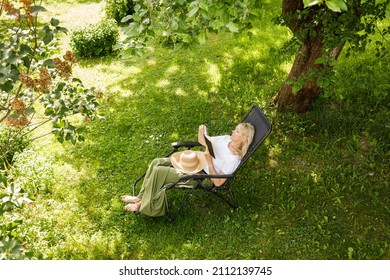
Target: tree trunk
x,y
304,62
304,68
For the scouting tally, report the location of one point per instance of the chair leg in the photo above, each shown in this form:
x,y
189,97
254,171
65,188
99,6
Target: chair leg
x,y
172,217
231,201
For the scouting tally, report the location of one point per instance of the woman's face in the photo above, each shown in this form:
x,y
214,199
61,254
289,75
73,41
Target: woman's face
x,y
237,135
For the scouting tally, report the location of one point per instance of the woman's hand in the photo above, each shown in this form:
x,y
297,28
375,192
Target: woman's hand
x,y
201,131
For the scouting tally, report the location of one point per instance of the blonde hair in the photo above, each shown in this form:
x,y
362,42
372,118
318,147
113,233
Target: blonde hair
x,y
248,131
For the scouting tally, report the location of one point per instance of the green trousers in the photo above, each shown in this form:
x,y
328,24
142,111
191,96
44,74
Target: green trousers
x,y
152,193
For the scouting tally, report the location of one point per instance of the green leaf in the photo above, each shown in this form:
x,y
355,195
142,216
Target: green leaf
x,y
9,72
126,18
49,112
7,86
320,60
232,27
295,88
336,5
25,49
377,2
297,85
54,22
202,38
137,7
193,12
203,6
48,62
216,24
37,9
309,3
185,38
26,62
48,37
174,25
61,29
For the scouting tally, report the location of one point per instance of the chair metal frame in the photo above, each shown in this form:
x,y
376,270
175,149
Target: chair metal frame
x,y
262,129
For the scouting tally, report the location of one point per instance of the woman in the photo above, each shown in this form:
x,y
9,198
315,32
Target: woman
x,y
228,152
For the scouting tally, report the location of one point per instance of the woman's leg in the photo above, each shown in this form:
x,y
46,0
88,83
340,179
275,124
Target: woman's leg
x,y
152,165
151,169
153,201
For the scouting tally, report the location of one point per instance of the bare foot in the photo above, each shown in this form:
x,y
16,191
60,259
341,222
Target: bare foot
x,y
130,199
132,207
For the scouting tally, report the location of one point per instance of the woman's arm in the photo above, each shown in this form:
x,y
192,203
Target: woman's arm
x,y
217,181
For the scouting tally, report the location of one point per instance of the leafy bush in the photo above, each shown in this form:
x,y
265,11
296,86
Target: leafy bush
x,y
11,142
95,40
10,197
118,9
33,172
29,75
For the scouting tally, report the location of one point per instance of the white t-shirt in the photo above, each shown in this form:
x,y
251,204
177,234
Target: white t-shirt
x,y
224,162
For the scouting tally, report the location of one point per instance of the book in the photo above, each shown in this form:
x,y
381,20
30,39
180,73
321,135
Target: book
x,y
209,145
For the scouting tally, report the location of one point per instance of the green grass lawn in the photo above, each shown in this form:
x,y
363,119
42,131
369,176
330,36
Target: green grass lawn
x,y
318,188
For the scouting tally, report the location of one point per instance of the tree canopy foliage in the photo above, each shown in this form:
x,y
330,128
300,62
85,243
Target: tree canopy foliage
x,y
323,29
32,75
36,87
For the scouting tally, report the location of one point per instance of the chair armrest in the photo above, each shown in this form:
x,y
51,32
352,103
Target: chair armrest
x,y
205,176
188,144
177,145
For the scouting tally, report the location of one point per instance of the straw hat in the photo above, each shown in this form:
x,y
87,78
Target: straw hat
x,y
188,162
